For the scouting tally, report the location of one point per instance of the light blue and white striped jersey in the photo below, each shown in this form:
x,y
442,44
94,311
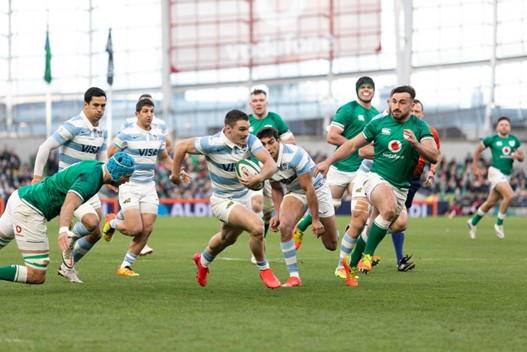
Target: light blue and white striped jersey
x,y
292,162
79,140
144,147
155,121
366,164
222,155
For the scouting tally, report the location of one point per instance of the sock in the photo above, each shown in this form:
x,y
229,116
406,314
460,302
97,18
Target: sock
x,y
346,246
114,223
501,217
377,232
129,260
4,242
80,230
398,242
478,216
15,273
263,265
120,215
206,258
289,252
266,227
356,254
304,224
82,246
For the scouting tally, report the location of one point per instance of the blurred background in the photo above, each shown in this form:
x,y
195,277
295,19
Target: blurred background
x,y
466,59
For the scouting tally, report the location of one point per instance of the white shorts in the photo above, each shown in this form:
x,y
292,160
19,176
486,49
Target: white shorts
x,y
336,177
358,185
495,176
325,202
142,196
88,207
373,180
221,207
266,193
27,226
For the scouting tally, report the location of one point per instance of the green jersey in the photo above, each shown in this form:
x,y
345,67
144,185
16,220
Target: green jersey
x,y
501,149
47,197
352,118
271,120
395,158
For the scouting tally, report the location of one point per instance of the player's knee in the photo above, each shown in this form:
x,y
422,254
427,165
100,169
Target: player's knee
x,y
330,244
90,222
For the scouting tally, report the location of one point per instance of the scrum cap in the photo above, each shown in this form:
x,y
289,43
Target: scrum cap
x,y
120,164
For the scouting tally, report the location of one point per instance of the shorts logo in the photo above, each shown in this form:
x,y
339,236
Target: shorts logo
x,y
229,204
394,146
359,189
127,200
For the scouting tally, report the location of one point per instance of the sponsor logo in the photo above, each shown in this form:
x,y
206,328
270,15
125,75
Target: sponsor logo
x,y
360,117
386,131
394,146
506,150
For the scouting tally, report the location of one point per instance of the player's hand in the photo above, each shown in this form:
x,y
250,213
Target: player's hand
x,y
429,179
250,181
112,188
322,168
36,179
318,228
175,179
63,240
274,223
185,178
410,136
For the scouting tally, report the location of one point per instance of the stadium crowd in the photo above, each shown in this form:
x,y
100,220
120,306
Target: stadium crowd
x,y
454,181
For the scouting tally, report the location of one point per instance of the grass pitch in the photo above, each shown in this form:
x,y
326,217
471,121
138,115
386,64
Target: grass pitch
x,y
463,295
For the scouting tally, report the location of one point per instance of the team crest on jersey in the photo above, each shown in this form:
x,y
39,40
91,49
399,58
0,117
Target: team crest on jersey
x,y
512,143
394,146
284,166
99,132
386,131
506,150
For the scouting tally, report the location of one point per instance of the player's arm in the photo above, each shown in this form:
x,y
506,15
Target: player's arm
x,y
335,136
112,150
183,148
367,152
277,194
42,157
430,175
342,152
427,148
71,203
288,138
268,169
475,161
518,155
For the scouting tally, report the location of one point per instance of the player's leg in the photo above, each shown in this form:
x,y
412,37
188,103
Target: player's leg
x,y
291,210
491,201
29,228
507,194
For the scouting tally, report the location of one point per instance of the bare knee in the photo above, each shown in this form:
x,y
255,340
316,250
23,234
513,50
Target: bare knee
x,y
90,222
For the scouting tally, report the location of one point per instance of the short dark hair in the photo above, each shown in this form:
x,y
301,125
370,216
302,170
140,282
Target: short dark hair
x,y
267,132
506,118
417,101
404,89
143,102
93,92
259,91
234,116
146,96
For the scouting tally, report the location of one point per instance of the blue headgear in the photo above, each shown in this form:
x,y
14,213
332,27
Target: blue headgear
x,y
120,164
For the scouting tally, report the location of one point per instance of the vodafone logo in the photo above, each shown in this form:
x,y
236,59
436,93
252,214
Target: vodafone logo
x,y
506,150
277,17
394,146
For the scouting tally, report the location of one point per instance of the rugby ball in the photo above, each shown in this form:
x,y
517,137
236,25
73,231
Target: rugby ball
x,y
245,166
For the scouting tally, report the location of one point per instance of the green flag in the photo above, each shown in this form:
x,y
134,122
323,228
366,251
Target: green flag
x,y
47,72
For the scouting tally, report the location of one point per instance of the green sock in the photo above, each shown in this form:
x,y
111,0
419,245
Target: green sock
x,y
8,273
304,224
375,237
356,254
499,222
266,227
476,219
